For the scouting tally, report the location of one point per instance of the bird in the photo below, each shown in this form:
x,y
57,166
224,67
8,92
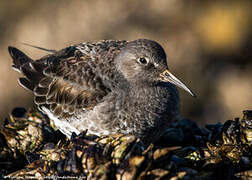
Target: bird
x,y
105,86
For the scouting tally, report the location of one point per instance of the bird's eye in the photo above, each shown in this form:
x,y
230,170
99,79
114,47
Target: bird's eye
x,y
143,60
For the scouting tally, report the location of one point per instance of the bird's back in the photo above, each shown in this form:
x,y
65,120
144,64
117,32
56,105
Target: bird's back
x,y
72,80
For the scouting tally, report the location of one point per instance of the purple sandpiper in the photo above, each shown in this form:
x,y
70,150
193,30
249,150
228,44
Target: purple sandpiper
x,y
106,87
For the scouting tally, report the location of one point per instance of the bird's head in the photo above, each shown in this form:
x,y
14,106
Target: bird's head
x,y
144,62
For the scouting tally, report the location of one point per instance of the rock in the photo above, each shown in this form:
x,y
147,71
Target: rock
x,y
30,147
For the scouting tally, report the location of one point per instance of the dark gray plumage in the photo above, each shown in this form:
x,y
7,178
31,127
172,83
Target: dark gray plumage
x,y
106,87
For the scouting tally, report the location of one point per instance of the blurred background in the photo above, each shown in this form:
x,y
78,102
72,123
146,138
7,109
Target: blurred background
x,y
208,44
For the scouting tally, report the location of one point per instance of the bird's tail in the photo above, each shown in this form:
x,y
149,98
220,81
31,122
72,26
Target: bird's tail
x,y
19,58
31,70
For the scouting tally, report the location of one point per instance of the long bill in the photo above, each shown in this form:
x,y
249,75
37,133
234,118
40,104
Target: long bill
x,y
167,76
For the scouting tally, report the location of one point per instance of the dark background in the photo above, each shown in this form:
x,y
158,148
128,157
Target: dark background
x,y
208,44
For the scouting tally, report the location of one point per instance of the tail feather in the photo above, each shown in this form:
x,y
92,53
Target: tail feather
x,y
19,58
33,76
23,64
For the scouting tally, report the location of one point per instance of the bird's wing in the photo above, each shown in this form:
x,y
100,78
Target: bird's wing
x,y
64,82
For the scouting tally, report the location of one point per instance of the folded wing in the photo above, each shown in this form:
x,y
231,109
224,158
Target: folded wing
x,y
64,82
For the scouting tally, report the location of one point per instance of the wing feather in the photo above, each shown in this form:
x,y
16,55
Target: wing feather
x,y
70,80
62,82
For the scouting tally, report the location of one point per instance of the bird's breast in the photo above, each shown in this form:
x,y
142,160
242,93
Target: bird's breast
x,y
150,106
